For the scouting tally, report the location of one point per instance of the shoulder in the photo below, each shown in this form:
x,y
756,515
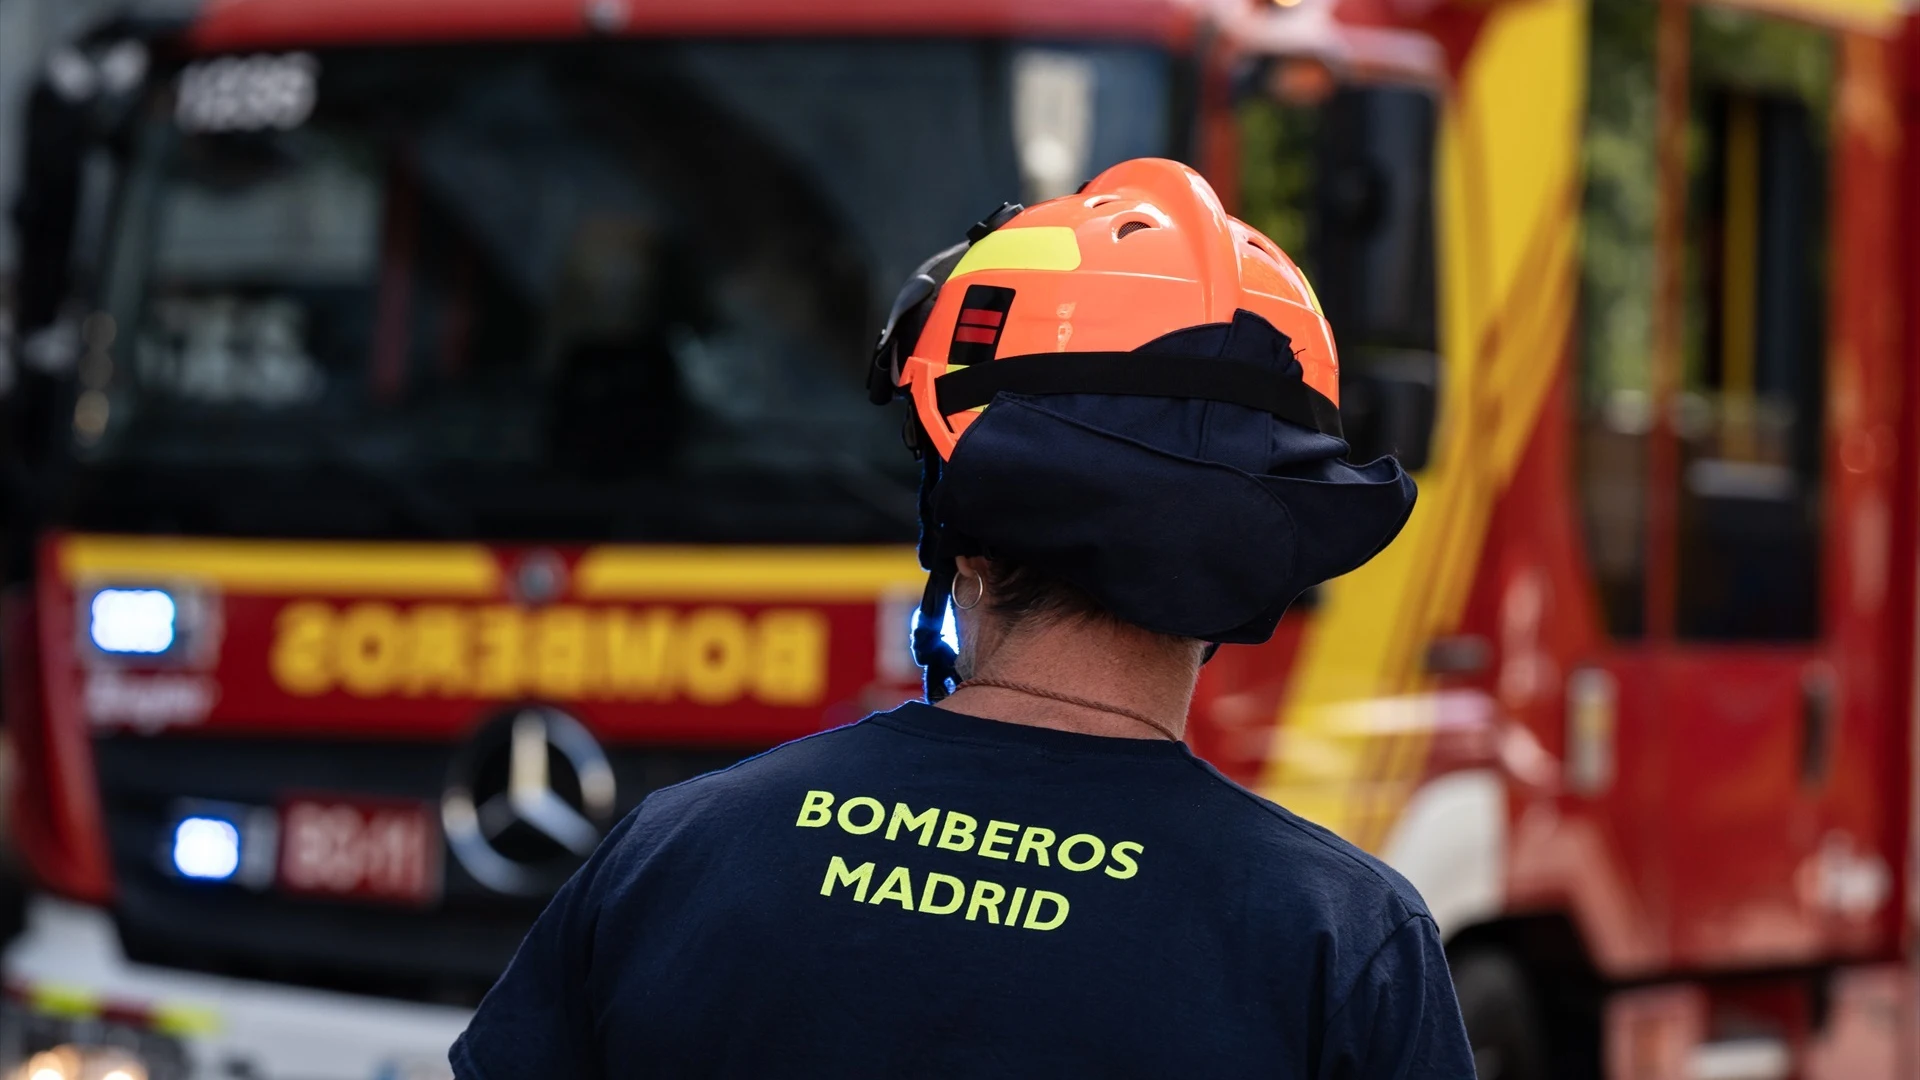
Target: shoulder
x,y
749,786
701,823
1294,855
1308,888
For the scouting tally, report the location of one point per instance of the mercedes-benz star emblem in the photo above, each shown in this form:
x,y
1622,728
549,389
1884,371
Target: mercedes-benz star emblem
x,y
528,800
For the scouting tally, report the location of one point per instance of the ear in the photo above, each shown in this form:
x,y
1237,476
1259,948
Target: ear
x,y
972,565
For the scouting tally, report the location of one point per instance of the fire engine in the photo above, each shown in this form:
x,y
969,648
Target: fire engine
x,y
439,425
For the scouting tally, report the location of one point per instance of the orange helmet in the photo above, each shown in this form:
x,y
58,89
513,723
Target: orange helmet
x,y
1060,294
1137,333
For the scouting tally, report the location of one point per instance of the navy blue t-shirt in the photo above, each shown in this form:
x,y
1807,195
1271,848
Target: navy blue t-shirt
x,y
930,894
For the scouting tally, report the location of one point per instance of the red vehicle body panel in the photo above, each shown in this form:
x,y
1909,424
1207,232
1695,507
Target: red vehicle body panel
x,y
373,650
238,24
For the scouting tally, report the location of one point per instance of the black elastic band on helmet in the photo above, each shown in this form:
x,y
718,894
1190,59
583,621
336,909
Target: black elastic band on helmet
x,y
905,321
936,658
1135,374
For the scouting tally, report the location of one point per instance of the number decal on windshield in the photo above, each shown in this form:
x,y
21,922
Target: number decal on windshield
x,y
247,93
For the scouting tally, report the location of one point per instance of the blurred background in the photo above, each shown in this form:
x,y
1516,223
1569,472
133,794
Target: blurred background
x,y
427,427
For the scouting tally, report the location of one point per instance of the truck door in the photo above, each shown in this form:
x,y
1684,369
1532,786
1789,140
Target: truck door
x,y
1748,688
1719,486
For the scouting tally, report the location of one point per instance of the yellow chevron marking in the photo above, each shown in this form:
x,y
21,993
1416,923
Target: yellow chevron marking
x,y
286,567
1507,182
846,574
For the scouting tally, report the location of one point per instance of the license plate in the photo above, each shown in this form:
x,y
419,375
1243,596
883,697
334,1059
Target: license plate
x,y
363,849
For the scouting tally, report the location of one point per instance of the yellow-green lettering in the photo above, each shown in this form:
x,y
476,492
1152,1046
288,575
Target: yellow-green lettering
x,y
923,821
958,834
879,814
998,833
839,874
1013,909
898,886
986,897
1059,915
813,811
1087,840
1121,856
1035,840
930,906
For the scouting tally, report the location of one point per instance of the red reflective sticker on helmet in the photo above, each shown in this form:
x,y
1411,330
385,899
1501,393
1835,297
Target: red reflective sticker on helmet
x,y
983,317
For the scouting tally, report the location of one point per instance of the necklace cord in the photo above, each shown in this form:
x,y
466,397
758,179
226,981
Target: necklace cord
x,y
1070,699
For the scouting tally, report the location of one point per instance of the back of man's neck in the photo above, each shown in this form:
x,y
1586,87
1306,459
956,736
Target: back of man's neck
x,y
1114,677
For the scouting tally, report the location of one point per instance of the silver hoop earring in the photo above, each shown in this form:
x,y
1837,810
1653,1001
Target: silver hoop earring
x,y
978,595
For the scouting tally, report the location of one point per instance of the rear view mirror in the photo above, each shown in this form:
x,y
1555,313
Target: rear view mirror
x,y
46,211
1340,175
45,217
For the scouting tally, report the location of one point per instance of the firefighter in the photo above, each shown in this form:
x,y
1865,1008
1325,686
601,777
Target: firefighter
x,y
1125,405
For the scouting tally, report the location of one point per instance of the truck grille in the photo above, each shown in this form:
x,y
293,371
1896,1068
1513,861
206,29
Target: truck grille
x,y
448,954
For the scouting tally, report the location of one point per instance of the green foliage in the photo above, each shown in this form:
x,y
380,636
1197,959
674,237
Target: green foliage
x,y
1744,51
1617,214
1277,173
1737,56
1731,50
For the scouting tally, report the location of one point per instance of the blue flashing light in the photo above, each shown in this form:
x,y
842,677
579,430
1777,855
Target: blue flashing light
x,y
949,628
132,621
206,848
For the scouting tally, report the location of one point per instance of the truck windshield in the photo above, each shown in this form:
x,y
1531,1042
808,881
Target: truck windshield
x,y
589,292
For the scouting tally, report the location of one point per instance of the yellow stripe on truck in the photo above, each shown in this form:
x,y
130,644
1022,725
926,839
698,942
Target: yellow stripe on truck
x,y
275,567
752,574
1507,197
65,1002
185,1021
472,571
76,1003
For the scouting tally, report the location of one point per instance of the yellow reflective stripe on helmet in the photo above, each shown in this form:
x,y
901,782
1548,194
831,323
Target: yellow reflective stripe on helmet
x,y
1312,297
1042,247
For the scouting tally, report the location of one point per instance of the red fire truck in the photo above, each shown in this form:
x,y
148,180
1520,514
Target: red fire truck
x,y
439,426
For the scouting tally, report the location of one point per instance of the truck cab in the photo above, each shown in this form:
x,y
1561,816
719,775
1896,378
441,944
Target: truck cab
x,y
440,425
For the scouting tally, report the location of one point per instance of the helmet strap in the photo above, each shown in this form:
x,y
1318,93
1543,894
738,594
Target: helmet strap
x,y
930,650
905,322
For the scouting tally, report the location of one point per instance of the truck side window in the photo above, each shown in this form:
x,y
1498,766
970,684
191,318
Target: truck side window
x,y
1341,177
1749,413
1615,335
1748,407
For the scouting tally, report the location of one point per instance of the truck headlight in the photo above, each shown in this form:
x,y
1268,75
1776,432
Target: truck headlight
x,y
72,1062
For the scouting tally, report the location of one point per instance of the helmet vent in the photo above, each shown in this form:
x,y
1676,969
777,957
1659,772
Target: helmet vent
x,y
1129,228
